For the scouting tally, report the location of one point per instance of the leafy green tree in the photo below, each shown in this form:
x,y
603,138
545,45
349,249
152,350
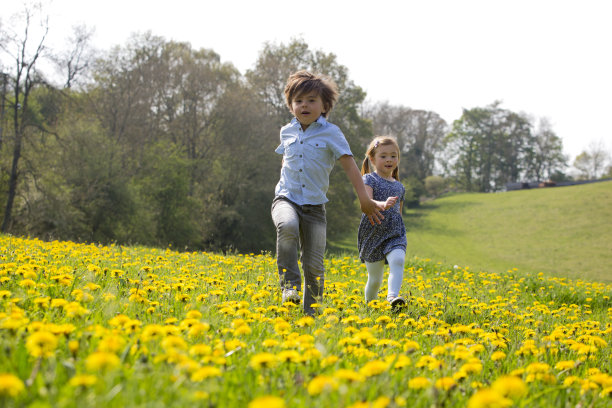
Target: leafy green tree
x,y
591,163
488,148
547,153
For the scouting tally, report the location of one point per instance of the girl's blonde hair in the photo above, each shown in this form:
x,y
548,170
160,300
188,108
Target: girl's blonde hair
x,y
371,152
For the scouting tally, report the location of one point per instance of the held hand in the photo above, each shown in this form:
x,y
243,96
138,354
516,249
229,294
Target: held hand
x,y
373,211
390,202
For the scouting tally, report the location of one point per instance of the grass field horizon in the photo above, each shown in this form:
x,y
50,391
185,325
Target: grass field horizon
x,y
561,231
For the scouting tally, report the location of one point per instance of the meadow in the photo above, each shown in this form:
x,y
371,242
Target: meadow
x,y
113,326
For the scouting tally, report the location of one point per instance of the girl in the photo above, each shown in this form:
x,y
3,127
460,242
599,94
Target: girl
x,y
386,242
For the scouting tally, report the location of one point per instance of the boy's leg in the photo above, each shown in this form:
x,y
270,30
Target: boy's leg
x,y
395,258
287,222
313,232
375,277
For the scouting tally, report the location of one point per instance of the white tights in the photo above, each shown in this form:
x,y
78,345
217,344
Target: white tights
x,y
395,258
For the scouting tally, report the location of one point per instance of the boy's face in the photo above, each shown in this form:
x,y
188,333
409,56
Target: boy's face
x,y
307,108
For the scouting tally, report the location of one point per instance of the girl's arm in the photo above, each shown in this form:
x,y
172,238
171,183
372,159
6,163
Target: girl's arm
x,y
369,207
390,202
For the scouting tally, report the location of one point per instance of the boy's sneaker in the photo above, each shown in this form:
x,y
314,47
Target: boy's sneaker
x,y
291,295
397,302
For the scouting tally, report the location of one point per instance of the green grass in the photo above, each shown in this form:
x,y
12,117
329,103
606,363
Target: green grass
x,y
563,231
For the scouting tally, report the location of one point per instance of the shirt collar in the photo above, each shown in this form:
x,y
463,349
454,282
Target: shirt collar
x,y
321,121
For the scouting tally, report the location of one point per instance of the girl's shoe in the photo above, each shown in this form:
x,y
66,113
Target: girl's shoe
x,y
397,302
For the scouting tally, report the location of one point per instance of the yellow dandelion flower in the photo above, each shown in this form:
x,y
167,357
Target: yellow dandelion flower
x,y
445,383
306,321
174,343
73,346
374,367
205,372
606,392
321,383
242,330
270,343
535,368
289,356
510,386
27,283
349,375
263,360
152,332
41,344
267,401
410,346
472,367
329,360
401,362
603,379
498,355
565,365
58,303
487,398
111,344
201,395
42,302
10,385
194,314
418,383
102,361
571,380
83,380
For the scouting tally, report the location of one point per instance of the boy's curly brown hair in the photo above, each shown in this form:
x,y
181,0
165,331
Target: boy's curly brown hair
x,y
302,82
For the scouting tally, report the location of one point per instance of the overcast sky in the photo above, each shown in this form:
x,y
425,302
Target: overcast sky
x,y
546,58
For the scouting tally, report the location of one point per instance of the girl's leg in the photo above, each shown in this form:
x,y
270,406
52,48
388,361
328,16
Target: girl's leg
x,y
395,258
375,277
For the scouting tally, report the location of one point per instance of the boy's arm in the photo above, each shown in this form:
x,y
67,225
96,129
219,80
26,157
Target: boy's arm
x,y
369,207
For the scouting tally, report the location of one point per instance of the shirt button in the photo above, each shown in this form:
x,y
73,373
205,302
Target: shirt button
x,y
300,155
300,170
303,185
301,142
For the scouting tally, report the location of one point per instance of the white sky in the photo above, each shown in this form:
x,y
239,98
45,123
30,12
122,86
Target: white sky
x,y
546,58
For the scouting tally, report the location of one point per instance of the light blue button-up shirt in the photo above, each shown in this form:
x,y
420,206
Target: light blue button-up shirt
x,y
308,158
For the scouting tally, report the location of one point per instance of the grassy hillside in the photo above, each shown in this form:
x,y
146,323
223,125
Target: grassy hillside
x,y
563,231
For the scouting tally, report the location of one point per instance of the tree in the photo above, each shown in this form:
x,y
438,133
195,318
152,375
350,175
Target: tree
x,y
547,153
25,53
591,163
78,58
489,147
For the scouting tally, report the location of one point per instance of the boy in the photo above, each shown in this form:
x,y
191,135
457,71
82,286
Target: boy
x,y
309,145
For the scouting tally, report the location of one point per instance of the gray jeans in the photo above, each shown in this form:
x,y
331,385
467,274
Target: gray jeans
x,y
303,228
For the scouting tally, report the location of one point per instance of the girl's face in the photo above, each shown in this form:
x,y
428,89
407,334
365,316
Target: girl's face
x,y
307,108
385,160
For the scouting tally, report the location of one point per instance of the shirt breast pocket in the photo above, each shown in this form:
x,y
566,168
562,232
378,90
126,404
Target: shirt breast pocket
x,y
316,149
291,146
